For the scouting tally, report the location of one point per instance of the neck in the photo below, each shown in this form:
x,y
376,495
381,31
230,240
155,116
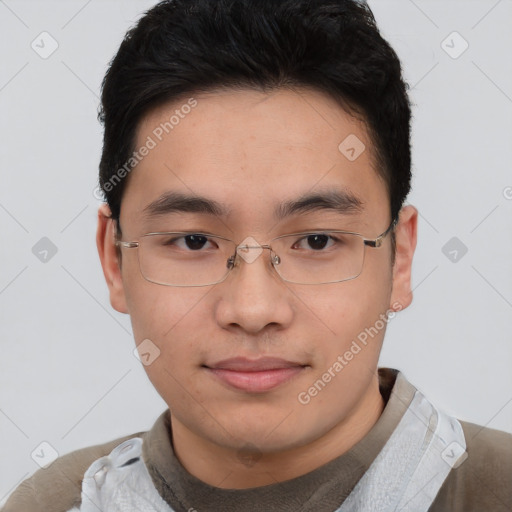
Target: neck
x,y
211,463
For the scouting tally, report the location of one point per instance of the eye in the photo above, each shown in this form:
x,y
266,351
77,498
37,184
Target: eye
x,y
193,242
315,241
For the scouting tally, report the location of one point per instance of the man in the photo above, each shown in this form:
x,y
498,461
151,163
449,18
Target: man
x,y
255,165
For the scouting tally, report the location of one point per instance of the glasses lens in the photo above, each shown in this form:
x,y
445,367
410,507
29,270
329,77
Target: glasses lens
x,y
188,259
318,258
184,259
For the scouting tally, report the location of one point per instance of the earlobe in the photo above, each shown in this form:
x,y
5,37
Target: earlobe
x,y
110,263
406,238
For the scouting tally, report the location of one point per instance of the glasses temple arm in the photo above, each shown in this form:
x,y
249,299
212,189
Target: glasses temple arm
x,y
379,240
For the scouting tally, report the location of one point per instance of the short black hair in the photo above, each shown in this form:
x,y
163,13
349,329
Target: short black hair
x,y
184,47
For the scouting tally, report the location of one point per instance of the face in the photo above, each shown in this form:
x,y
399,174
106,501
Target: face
x,y
251,152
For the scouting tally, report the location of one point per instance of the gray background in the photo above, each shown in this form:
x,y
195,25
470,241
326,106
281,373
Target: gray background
x,y
68,376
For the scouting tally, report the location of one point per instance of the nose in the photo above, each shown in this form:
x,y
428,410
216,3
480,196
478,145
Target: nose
x,y
253,296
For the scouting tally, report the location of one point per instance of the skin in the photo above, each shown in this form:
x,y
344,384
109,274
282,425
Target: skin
x,y
250,151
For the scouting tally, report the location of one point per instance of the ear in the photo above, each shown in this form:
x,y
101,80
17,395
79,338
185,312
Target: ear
x,y
405,236
107,250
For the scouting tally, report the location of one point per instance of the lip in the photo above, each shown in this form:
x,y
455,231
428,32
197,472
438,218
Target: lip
x,y
255,376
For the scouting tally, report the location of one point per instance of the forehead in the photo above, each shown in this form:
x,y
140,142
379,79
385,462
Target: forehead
x,y
251,150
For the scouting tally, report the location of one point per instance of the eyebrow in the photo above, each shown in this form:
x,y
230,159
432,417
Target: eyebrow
x,y
340,201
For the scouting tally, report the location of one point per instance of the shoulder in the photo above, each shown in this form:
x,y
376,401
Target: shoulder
x,y
59,486
483,481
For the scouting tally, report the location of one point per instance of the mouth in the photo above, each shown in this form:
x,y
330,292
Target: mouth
x,y
255,376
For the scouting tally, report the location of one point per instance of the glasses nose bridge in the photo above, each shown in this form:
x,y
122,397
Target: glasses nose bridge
x,y
250,250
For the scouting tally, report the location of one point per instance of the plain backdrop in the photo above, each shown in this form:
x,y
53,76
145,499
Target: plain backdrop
x,y
68,376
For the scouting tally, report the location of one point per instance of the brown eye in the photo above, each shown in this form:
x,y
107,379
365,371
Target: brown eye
x,y
315,242
194,242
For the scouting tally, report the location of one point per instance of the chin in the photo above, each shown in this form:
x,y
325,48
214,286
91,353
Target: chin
x,y
269,434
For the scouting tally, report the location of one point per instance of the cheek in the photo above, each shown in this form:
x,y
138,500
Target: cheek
x,y
157,311
168,318
348,321
342,310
